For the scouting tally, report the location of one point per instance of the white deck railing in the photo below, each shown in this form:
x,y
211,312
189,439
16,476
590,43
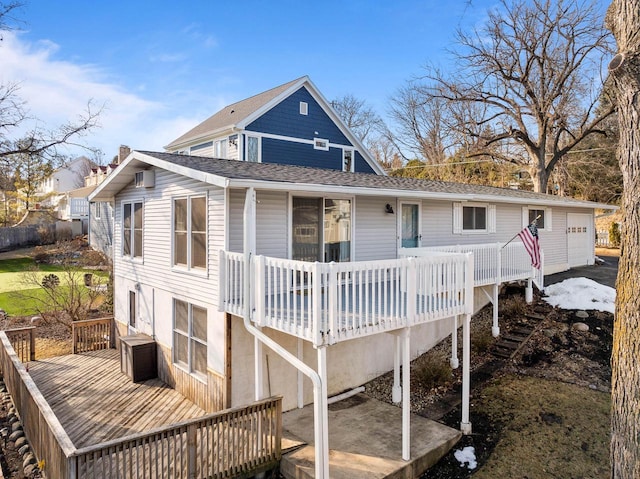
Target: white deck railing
x,y
494,263
329,302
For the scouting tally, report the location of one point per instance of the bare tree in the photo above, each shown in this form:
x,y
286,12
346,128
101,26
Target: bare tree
x,y
23,134
533,70
358,116
623,19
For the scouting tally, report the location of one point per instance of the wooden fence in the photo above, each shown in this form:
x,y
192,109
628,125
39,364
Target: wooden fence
x,y
92,335
23,341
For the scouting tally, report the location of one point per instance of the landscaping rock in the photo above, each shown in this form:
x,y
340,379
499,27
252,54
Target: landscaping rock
x,y
21,441
581,327
28,459
16,435
16,426
582,315
30,469
24,449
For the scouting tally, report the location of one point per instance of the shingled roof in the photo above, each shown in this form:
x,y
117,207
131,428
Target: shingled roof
x,y
239,172
230,115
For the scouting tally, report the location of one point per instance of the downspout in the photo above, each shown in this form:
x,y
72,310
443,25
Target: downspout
x,y
321,466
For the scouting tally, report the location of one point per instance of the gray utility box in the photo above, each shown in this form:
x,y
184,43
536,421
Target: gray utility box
x,y
138,358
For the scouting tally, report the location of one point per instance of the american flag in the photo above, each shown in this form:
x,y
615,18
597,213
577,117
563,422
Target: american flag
x,y
529,237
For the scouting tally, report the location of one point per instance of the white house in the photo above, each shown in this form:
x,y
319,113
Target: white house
x,y
324,251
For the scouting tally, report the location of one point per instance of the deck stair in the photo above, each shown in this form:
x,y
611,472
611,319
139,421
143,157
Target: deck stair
x,y
512,341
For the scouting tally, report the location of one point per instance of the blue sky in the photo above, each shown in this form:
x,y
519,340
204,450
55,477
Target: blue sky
x,y
162,67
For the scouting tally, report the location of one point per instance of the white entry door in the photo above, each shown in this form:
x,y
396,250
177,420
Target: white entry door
x,y
580,239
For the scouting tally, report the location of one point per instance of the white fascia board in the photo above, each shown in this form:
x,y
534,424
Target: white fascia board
x,y
242,124
111,185
363,191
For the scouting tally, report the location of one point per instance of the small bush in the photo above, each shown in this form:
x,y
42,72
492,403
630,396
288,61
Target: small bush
x,y
481,341
40,255
94,258
614,235
46,234
433,372
514,306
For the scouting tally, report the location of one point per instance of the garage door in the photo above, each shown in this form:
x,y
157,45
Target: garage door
x,y
580,239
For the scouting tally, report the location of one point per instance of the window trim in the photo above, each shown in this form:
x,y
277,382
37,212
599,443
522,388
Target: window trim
x,y
458,218
548,216
131,255
353,160
321,144
200,271
304,108
246,148
188,367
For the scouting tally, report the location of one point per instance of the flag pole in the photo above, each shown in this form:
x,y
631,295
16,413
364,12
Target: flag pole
x,y
516,235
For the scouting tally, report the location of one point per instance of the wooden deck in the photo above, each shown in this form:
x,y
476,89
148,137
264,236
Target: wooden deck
x,y
95,402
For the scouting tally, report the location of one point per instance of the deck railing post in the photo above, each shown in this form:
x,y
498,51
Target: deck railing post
x,y
316,297
260,294
222,282
32,345
191,446
332,291
412,279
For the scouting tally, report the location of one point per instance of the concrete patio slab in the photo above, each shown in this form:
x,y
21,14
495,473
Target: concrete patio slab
x,y
365,441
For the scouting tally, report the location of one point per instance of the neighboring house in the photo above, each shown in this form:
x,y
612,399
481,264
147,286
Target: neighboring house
x,y
176,217
101,212
64,179
289,124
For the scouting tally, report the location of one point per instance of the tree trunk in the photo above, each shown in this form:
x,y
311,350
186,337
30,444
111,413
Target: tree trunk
x,y
623,19
540,178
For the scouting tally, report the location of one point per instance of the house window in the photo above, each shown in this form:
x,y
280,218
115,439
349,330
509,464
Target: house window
x,y
304,108
190,232
201,146
347,160
474,218
190,337
530,213
96,210
220,149
132,214
253,149
320,144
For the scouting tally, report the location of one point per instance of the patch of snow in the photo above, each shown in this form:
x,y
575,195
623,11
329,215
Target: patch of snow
x,y
581,293
467,456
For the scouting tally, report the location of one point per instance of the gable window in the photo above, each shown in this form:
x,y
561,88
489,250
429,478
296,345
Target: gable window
x,y
304,108
320,144
132,215
190,232
474,218
220,149
97,207
347,160
543,215
253,149
190,337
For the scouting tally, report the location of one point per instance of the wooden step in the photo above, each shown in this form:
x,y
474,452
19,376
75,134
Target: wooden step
x,y
537,317
517,339
507,344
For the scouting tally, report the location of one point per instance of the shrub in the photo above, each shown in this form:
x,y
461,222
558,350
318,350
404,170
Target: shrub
x,y
433,371
46,234
614,234
513,306
40,255
481,341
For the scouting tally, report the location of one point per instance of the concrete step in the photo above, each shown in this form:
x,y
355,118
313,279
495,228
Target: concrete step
x,y
365,441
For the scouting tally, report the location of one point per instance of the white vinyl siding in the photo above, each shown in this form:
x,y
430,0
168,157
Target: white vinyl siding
x,y
374,230
272,226
236,220
101,228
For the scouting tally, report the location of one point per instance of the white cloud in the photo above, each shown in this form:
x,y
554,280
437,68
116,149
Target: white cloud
x,y
57,91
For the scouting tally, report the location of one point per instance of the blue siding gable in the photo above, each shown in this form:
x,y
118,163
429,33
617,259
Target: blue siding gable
x,y
285,119
301,154
362,166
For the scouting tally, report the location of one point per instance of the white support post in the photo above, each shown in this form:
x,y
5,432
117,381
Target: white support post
x,y
454,344
396,392
259,369
299,355
322,372
465,425
529,292
406,394
495,329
